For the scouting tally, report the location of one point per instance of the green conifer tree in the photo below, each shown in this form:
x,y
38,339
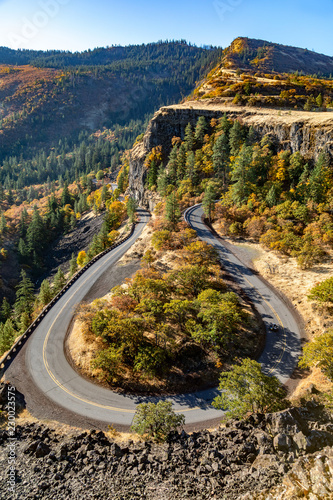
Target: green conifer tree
x,y
24,295
73,267
6,310
45,293
59,281
7,336
200,131
172,210
189,138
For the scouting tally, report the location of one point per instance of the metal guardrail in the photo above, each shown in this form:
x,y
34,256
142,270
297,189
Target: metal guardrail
x,y
20,341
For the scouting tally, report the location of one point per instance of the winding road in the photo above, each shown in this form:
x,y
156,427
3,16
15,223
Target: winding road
x,y
283,346
52,374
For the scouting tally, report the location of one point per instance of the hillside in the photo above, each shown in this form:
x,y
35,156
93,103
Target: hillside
x,y
260,74
271,169
260,55
38,106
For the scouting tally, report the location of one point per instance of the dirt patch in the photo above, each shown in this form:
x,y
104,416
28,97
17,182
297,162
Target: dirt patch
x,y
112,277
141,245
260,116
79,352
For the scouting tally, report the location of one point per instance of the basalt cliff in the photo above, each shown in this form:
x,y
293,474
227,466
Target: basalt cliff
x,y
306,132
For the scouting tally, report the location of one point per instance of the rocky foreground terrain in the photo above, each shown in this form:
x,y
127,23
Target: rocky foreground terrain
x,y
284,455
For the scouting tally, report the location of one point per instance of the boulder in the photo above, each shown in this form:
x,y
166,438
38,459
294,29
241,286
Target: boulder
x,y
116,451
301,442
282,442
32,447
286,422
265,462
42,450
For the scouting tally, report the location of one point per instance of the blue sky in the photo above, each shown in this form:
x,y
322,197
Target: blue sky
x,y
82,24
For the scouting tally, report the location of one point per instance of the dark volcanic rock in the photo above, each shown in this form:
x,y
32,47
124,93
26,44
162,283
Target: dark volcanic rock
x,y
42,450
240,459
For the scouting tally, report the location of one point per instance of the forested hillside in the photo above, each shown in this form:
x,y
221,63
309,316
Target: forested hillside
x,y
59,94
66,124
266,192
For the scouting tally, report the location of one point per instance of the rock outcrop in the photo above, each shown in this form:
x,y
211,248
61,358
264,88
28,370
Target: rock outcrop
x,y
263,457
306,132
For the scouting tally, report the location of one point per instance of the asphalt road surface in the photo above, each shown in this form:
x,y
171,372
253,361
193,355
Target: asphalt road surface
x,y
283,345
52,374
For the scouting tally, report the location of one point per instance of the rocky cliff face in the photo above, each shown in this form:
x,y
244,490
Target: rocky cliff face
x,y
306,132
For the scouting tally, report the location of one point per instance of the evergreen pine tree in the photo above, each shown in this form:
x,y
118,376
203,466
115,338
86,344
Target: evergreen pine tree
x,y
200,131
189,138
162,182
152,174
65,196
208,201
3,224
23,250
6,310
23,223
251,136
7,336
76,207
45,293
24,321
72,221
235,138
104,194
121,182
59,281
181,163
225,124
73,267
24,295
272,196
319,101
131,208
317,184
10,197
172,210
36,234
241,190
172,166
221,157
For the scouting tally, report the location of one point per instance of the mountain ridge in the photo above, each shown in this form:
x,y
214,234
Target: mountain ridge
x,y
40,105
255,54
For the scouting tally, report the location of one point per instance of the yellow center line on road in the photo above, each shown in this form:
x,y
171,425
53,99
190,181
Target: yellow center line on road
x,y
56,381
46,364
